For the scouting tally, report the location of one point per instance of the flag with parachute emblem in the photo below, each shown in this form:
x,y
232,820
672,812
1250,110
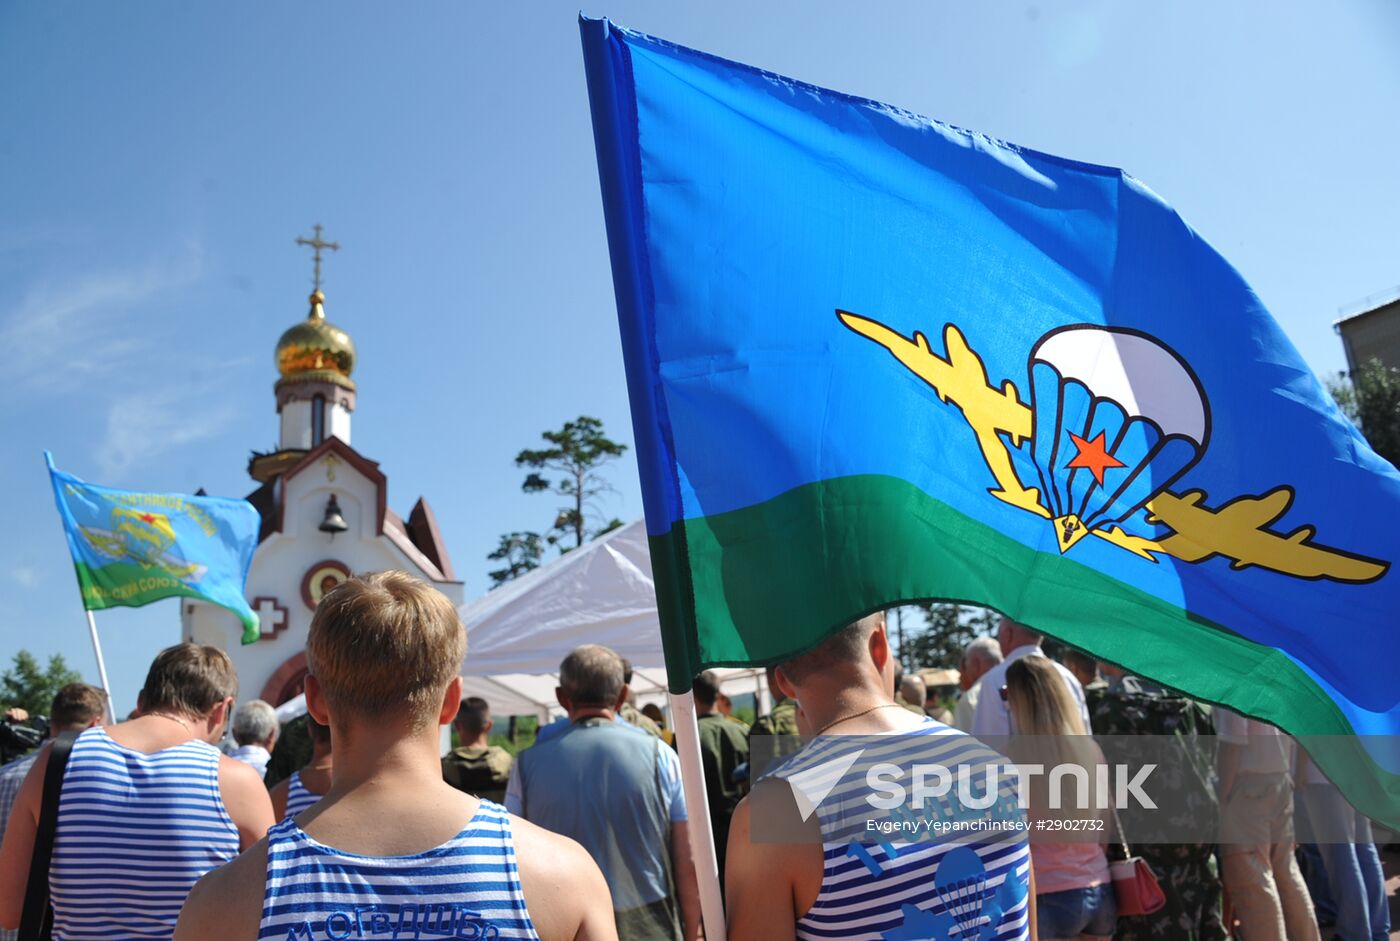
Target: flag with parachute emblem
x,y
130,548
876,359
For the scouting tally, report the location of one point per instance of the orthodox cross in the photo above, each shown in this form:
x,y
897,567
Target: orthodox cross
x,y
317,243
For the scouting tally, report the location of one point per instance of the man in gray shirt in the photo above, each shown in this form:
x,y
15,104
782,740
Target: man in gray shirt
x,y
618,793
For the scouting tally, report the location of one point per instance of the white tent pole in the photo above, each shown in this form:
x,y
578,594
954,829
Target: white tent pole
x,y
101,666
702,835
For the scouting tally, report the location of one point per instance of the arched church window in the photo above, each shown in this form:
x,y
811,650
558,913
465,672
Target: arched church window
x,y
318,420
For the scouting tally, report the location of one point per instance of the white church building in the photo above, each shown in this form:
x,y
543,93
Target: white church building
x,y
325,514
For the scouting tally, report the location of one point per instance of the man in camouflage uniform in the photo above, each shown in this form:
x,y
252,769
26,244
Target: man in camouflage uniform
x,y
782,718
774,736
724,750
1128,706
476,766
628,711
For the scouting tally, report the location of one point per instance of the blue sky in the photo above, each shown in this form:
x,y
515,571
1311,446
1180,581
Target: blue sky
x,y
157,160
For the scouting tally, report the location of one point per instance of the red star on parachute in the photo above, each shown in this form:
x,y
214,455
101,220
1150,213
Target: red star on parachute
x,y
148,518
1093,456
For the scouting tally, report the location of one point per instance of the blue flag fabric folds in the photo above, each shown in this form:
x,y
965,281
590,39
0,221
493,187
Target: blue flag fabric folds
x,y
875,359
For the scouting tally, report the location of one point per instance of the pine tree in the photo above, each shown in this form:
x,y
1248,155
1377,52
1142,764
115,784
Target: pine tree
x,y
26,686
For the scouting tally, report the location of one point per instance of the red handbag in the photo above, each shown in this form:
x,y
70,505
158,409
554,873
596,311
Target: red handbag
x,y
1135,886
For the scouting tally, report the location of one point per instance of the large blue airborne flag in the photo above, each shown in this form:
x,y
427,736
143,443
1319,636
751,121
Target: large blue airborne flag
x,y
875,359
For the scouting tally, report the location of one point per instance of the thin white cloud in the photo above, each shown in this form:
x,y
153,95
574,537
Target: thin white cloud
x,y
26,575
66,334
142,426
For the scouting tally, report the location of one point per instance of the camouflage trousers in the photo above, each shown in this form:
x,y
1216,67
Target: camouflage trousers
x,y
1191,884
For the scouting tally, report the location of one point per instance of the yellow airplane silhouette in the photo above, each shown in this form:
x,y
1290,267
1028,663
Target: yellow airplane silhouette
x,y
1238,530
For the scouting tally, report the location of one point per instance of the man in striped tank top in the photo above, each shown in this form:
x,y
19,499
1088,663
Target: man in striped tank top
x,y
798,872
309,783
147,807
393,851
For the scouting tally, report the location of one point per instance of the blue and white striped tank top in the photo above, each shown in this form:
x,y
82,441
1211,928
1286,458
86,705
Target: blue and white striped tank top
x,y
298,797
469,887
135,832
877,886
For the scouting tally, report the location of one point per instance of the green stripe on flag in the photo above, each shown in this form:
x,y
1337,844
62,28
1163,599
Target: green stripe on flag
x,y
128,585
770,581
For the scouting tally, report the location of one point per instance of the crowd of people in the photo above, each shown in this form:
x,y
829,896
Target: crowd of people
x,y
164,825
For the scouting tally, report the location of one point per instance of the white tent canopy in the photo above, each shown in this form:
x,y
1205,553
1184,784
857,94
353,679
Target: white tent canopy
x,y
599,593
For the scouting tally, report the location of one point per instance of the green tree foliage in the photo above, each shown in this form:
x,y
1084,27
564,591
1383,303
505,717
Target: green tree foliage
x,y
1371,399
570,467
947,629
33,688
520,552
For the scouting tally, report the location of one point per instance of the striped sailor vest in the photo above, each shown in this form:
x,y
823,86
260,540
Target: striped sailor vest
x,y
468,887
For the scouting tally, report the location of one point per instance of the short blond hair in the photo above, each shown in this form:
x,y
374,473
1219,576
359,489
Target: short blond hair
x,y
385,642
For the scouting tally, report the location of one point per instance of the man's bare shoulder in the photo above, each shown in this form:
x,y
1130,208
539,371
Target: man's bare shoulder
x,y
564,889
547,856
227,902
239,772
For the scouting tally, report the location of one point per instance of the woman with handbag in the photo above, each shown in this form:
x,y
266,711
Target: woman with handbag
x,y
1074,890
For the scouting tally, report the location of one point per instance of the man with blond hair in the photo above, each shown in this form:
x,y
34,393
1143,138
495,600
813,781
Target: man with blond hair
x,y
146,807
392,850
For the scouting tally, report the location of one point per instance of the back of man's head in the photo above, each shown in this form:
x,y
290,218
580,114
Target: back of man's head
x,y
913,690
978,657
385,644
705,689
75,707
591,677
188,680
1012,635
983,651
254,723
842,652
473,717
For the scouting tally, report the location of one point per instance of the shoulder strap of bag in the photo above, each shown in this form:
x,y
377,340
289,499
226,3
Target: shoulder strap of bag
x,y
1122,838
36,920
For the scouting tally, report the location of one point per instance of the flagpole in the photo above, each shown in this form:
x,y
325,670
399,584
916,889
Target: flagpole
x,y
101,665
702,834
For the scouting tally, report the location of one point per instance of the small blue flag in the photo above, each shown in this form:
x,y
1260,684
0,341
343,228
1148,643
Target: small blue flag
x,y
132,548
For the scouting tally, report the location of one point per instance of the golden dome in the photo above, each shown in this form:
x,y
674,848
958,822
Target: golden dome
x,y
316,350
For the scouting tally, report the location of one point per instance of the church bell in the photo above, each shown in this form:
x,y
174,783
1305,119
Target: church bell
x,y
333,522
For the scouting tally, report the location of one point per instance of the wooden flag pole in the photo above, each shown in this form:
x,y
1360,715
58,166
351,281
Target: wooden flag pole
x,y
702,834
101,666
